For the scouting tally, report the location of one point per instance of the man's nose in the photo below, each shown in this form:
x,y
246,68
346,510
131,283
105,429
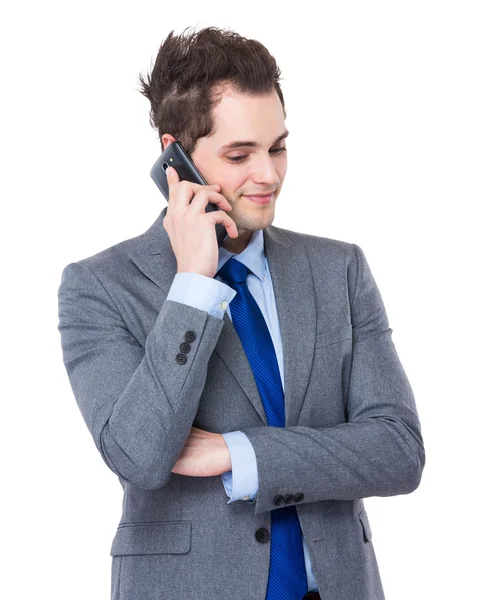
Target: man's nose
x,y
264,172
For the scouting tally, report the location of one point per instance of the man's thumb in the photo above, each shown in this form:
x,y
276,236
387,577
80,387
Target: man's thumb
x,y
171,175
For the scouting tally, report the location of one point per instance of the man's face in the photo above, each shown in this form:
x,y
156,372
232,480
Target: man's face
x,y
257,170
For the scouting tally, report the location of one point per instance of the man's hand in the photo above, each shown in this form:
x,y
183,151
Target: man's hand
x,y
204,454
192,230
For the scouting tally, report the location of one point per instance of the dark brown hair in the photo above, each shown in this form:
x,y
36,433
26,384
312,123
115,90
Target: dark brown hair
x,y
187,80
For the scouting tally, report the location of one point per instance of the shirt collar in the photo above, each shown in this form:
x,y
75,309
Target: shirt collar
x,y
253,257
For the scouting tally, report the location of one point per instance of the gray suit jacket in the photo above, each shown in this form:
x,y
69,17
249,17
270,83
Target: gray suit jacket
x,y
352,426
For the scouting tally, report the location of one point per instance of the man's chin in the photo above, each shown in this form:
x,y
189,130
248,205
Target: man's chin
x,y
256,223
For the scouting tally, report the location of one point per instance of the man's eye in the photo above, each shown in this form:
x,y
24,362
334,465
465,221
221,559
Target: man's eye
x,y
237,159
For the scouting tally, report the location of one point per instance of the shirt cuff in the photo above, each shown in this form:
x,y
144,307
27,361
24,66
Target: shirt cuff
x,y
242,482
201,292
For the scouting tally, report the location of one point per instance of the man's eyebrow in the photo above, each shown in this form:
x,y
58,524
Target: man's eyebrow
x,y
250,144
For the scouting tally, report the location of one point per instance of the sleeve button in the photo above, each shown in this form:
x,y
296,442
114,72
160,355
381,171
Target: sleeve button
x,y
181,359
190,336
185,347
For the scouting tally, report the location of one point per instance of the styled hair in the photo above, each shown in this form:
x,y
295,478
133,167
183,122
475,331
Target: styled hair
x,y
190,74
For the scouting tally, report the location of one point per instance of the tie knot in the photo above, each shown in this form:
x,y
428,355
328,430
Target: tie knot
x,y
233,271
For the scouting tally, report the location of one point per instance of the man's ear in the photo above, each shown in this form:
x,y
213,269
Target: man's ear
x,y
166,140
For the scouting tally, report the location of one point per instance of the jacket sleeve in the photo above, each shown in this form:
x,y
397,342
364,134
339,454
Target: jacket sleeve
x,y
379,451
138,402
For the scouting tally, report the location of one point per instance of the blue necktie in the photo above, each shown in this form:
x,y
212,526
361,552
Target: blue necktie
x,y
287,572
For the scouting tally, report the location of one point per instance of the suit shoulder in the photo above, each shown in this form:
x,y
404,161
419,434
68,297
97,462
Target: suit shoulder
x,y
338,258
321,244
109,261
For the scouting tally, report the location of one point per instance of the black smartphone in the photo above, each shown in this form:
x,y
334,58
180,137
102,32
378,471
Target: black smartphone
x,y
175,156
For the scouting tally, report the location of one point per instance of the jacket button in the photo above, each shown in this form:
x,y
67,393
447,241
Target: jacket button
x,y
299,497
190,336
185,347
288,499
262,535
181,359
278,499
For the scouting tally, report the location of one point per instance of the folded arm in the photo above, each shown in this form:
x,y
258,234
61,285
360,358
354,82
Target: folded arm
x,y
138,402
379,451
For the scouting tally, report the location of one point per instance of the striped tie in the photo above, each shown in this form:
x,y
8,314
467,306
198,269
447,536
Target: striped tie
x,y
287,572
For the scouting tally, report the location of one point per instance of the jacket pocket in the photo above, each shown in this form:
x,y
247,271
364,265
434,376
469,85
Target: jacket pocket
x,y
365,523
162,537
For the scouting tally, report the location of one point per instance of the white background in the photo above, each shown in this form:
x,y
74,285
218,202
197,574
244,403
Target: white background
x,y
385,108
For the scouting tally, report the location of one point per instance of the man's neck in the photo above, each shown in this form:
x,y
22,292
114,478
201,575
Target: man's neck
x,y
238,244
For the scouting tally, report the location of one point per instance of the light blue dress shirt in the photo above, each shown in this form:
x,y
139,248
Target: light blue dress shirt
x,y
213,296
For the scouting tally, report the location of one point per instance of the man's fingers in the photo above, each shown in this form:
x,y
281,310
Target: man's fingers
x,y
219,216
199,202
172,175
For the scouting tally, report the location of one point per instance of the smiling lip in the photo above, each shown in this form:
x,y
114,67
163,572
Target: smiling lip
x,y
261,199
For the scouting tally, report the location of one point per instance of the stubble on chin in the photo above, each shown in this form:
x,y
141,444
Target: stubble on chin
x,y
253,222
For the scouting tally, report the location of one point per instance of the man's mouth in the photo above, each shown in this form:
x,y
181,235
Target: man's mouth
x,y
260,199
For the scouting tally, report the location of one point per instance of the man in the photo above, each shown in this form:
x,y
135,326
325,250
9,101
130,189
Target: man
x,y
249,396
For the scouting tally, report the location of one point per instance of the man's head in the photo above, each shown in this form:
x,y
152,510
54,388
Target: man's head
x,y
213,88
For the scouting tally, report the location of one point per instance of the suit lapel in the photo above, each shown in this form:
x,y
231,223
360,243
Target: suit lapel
x,y
296,310
295,302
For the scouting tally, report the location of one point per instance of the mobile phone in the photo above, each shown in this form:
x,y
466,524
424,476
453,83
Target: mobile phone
x,y
175,156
